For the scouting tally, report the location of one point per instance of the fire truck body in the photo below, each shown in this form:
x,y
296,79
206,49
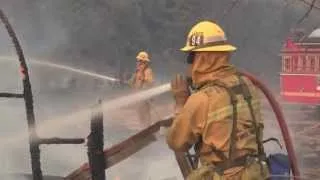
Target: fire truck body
x,y
300,75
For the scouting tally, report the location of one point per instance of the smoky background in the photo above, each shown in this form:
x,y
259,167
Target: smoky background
x,y
104,37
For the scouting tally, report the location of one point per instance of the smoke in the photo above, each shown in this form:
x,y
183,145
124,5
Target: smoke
x,y
104,37
98,34
38,31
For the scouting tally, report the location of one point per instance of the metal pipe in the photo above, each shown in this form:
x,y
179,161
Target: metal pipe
x,y
11,95
56,140
27,92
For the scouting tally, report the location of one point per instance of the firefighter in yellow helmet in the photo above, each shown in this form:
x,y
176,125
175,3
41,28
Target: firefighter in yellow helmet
x,y
141,79
222,118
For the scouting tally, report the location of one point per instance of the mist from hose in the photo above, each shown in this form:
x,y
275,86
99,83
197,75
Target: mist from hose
x,y
58,66
108,106
79,122
50,126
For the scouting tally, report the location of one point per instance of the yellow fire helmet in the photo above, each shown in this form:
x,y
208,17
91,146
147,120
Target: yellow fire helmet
x,y
207,36
143,56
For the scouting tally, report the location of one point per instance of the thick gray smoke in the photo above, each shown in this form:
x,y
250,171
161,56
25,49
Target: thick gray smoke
x,y
97,34
104,37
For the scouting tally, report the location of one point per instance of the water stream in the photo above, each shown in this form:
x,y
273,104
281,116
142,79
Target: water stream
x,y
49,126
58,66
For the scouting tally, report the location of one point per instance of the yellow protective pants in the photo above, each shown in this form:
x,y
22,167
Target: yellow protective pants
x,y
250,172
144,113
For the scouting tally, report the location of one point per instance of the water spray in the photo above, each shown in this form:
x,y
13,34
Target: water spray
x,y
50,126
110,105
63,67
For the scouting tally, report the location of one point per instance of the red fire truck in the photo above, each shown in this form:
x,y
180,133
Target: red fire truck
x,y
300,74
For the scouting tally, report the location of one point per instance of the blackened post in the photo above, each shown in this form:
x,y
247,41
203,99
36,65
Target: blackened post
x,y
56,140
11,95
95,145
184,164
27,94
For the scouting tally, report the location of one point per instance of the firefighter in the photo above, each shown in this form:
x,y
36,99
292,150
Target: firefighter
x,y
141,79
221,119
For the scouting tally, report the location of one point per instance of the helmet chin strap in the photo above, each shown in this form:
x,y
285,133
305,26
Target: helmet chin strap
x,y
190,57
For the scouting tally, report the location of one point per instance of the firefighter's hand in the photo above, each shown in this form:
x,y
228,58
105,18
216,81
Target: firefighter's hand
x,y
180,90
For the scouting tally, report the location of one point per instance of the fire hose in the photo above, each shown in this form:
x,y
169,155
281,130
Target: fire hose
x,y
281,121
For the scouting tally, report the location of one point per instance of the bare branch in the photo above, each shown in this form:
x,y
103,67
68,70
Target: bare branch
x,y
307,13
313,4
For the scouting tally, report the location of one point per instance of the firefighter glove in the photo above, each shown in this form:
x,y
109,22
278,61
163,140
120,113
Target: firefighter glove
x,y
180,90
